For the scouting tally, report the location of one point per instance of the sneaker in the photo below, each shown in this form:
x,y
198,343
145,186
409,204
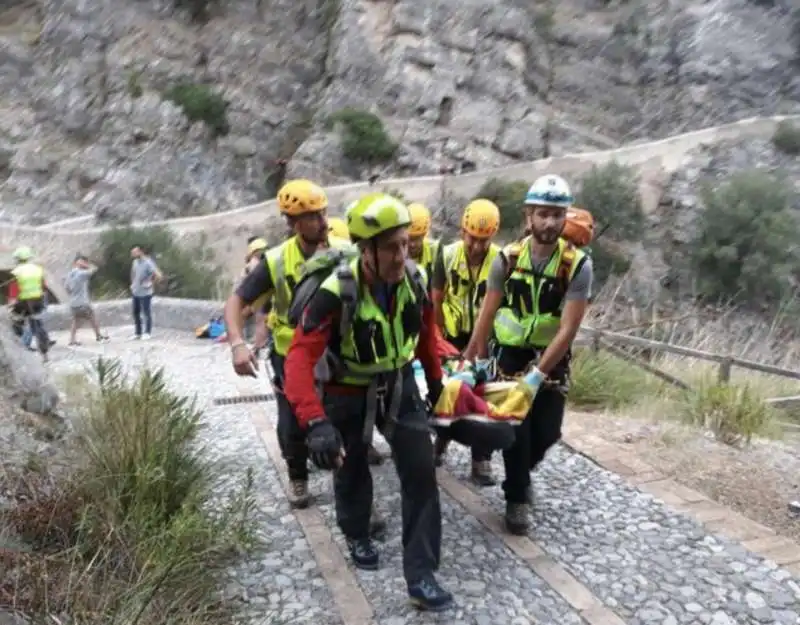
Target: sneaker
x,y
299,497
103,339
482,473
517,518
377,525
135,337
364,553
374,456
439,450
73,344
145,337
426,594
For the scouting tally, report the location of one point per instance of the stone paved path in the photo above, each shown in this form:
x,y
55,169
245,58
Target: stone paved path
x,y
601,552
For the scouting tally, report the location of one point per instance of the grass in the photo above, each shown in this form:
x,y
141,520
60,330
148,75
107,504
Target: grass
x,y
134,533
735,412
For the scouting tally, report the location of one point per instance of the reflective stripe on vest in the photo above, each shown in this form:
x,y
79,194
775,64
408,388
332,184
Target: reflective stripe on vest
x,y
463,296
530,314
376,343
285,264
30,280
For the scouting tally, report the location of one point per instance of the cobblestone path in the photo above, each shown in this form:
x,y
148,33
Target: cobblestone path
x,y
601,552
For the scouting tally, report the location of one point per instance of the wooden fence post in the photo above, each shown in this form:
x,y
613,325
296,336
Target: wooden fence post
x,y
724,373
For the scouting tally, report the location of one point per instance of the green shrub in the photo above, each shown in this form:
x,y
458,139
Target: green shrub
x,y
611,193
601,380
746,245
733,413
364,138
787,138
135,89
201,104
188,271
134,532
509,197
607,260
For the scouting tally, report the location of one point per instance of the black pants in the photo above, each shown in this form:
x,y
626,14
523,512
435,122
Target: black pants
x,y
479,453
291,437
412,453
540,430
31,310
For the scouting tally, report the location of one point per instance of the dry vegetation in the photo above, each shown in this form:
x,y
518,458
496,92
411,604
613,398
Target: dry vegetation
x,y
721,438
133,532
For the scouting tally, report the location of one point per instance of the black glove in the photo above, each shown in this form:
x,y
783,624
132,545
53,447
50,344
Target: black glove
x,y
435,388
324,444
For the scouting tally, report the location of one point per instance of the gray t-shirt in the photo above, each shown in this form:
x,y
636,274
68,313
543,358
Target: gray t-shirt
x,y
78,287
143,270
580,287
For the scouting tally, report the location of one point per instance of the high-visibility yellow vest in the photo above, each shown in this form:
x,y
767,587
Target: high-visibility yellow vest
x,y
285,263
463,295
376,342
530,314
30,279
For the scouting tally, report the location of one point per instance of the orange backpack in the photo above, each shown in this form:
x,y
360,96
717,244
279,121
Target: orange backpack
x,y
579,227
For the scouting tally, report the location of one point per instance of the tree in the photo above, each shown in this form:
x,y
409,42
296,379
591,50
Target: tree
x,y
611,193
746,247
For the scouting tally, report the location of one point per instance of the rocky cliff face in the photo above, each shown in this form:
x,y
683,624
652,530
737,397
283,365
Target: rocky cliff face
x,y
85,128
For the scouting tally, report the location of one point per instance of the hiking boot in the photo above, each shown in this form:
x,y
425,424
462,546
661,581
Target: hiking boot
x,y
439,450
299,497
426,594
377,525
482,473
374,456
364,553
517,521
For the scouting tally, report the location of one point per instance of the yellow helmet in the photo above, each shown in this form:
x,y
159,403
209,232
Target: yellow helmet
x,y
256,245
337,227
420,220
481,219
298,197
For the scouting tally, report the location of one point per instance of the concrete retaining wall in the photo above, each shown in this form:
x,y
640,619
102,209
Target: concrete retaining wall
x,y
168,312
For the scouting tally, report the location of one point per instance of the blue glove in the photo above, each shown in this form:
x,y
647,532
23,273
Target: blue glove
x,y
466,377
534,379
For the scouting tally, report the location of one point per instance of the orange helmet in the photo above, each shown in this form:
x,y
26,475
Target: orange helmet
x,y
481,219
420,220
298,197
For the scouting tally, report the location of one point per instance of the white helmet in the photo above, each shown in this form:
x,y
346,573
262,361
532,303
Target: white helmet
x,y
550,190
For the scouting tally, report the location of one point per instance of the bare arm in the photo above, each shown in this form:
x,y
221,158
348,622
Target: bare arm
x,y
577,301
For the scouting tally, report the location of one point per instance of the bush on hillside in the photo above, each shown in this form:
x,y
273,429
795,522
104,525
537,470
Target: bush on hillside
x,y
607,260
134,531
611,193
364,138
509,197
746,247
201,104
787,138
600,380
188,271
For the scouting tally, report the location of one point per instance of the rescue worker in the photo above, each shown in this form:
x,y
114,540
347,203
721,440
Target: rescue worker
x,y
337,227
26,296
255,315
537,296
304,205
459,285
372,383
422,250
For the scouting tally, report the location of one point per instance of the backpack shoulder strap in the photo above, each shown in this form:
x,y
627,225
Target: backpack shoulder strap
x,y
418,282
348,294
